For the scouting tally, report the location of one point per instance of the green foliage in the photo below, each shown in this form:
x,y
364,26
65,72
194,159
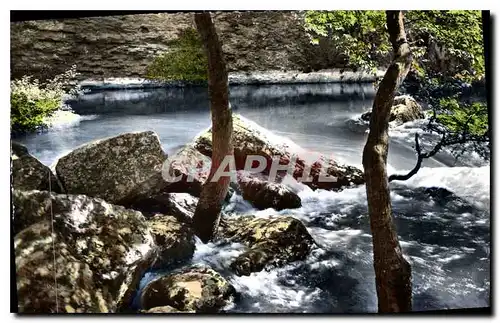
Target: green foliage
x,y
358,34
185,60
458,32
471,119
32,102
362,38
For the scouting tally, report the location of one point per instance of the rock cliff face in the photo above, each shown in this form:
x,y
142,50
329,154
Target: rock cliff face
x,y
122,46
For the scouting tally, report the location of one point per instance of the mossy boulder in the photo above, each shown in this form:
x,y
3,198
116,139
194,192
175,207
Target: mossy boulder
x,y
101,250
308,167
271,242
404,109
197,288
264,194
119,170
28,173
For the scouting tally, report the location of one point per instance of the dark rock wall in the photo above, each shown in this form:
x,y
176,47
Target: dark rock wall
x,y
122,46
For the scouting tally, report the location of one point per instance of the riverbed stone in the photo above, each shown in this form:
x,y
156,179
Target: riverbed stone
x,y
101,250
250,139
28,173
197,288
404,109
163,310
264,194
118,169
271,242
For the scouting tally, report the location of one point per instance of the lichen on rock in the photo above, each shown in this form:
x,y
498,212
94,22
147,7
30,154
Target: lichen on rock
x,y
271,242
196,288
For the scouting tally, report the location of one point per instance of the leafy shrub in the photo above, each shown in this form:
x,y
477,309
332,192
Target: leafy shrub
x,y
185,60
31,101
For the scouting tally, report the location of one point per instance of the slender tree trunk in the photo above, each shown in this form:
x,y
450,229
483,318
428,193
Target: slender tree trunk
x,y
207,213
392,271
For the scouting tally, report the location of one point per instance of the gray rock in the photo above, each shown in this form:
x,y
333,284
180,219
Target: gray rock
x,y
197,288
271,242
101,250
28,173
179,205
119,170
264,194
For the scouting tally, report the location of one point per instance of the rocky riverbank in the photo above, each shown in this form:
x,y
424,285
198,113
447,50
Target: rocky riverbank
x,y
104,216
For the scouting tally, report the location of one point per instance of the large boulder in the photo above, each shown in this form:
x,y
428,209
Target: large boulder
x,y
264,194
119,170
101,252
28,173
404,109
271,242
310,168
197,288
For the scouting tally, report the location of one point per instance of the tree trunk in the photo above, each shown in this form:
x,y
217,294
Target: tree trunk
x,y
392,271
207,213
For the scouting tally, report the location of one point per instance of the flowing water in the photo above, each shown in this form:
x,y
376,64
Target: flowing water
x,y
446,239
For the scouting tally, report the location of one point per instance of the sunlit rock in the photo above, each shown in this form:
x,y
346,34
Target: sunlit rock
x,y
198,288
404,109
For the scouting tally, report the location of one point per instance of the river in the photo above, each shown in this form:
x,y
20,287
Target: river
x,y
446,240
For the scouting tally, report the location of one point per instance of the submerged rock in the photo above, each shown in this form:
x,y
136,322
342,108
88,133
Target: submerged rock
x,y
101,250
404,109
263,194
271,242
28,173
249,139
118,169
197,288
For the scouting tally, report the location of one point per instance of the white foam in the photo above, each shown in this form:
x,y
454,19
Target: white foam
x,y
62,119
